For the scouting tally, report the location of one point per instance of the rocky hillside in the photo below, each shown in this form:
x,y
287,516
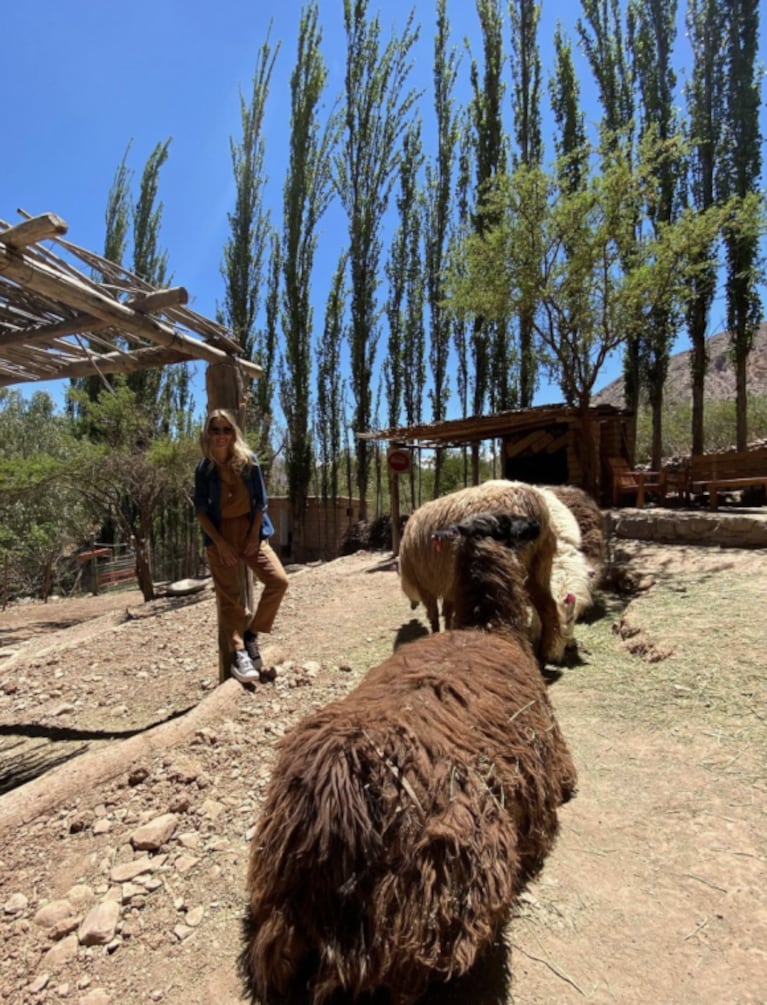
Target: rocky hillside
x,y
720,380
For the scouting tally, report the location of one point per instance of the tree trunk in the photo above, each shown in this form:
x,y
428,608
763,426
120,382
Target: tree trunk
x,y
144,566
741,401
587,451
698,376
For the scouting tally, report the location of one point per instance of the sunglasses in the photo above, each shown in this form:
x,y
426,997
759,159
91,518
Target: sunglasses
x,y
220,430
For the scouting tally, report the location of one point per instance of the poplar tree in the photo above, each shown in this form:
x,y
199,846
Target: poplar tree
x,y
249,223
740,180
306,196
459,321
570,140
261,409
407,344
405,368
376,114
149,263
652,31
437,219
329,413
486,118
601,33
117,226
706,26
526,76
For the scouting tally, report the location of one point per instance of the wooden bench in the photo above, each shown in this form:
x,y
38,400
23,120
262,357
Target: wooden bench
x,y
728,470
625,480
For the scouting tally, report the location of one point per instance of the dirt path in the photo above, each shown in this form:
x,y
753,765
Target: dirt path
x,y
654,892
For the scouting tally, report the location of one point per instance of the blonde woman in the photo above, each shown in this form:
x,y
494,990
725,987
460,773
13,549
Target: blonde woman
x,y
230,501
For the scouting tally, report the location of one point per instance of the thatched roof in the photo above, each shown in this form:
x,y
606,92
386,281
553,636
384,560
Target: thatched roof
x,y
474,429
71,313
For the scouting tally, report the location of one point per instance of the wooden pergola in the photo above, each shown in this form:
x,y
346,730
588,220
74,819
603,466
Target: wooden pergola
x,y
67,312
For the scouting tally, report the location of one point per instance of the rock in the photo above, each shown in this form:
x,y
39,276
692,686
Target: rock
x,y
63,927
186,862
189,839
212,809
195,916
80,896
153,835
184,769
131,890
98,996
98,926
52,913
60,954
15,904
38,984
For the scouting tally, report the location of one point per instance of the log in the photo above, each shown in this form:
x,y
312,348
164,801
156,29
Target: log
x,y
39,228
88,771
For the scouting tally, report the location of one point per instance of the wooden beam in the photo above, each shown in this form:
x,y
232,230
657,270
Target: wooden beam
x,y
83,323
78,296
145,303
112,362
157,300
38,228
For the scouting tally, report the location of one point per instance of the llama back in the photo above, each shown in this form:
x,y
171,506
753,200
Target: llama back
x,y
427,572
385,810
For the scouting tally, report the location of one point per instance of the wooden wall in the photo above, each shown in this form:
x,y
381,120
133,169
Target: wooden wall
x,y
322,533
550,454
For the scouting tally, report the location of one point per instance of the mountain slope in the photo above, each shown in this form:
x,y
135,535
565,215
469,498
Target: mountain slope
x,y
720,379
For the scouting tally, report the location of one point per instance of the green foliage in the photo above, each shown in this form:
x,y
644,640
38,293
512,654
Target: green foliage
x,y
306,197
719,427
249,223
376,114
41,515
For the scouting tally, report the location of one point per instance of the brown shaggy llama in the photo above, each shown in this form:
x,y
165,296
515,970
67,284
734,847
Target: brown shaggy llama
x,y
427,572
402,821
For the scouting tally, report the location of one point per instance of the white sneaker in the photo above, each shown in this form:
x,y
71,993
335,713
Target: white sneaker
x,y
242,668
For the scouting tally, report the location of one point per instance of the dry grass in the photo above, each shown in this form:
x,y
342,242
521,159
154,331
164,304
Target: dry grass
x,y
685,654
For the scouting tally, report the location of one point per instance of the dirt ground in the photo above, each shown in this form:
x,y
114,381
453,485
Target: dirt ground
x,y
111,714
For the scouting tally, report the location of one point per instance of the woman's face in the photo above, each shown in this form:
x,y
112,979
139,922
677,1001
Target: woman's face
x,y
220,434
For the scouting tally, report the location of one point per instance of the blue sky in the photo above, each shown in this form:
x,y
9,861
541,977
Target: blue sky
x,y
83,78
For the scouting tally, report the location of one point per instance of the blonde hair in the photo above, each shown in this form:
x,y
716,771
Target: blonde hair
x,y
240,454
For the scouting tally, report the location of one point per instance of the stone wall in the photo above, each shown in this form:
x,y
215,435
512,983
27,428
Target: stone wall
x,y
734,529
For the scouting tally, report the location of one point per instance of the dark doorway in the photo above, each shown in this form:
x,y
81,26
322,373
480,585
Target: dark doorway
x,y
539,469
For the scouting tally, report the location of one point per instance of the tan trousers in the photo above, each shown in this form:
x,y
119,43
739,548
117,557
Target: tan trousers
x,y
227,580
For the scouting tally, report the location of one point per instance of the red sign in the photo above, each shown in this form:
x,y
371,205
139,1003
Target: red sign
x,y
399,460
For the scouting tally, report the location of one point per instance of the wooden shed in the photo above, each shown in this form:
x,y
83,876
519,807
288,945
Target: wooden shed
x,y
541,445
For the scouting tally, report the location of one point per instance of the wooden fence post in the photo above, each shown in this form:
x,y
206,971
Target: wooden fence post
x,y
225,389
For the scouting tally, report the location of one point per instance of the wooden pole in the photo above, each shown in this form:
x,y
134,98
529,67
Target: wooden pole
x,y
394,491
225,389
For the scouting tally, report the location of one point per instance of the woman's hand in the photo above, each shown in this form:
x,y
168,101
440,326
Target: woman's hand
x,y
226,553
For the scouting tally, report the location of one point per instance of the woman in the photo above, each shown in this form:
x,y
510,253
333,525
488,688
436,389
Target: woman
x,y
230,502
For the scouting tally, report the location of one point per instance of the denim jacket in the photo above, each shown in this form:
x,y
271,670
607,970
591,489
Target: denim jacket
x,y
207,495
